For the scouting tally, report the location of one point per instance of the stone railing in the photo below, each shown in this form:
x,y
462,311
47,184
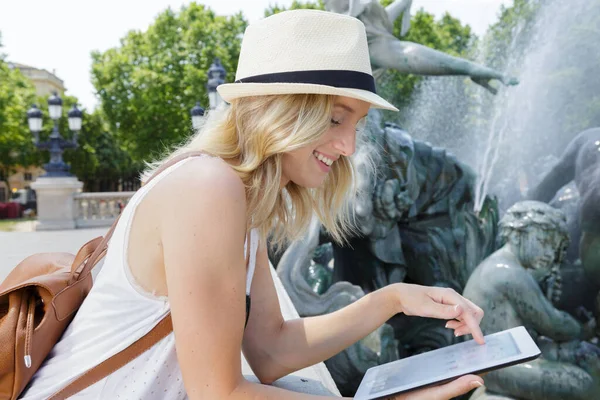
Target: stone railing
x,y
99,209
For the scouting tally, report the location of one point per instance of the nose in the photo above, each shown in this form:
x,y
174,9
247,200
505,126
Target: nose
x,y
345,142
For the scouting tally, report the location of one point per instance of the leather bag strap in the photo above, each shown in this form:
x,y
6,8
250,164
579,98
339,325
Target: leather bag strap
x,y
119,360
160,331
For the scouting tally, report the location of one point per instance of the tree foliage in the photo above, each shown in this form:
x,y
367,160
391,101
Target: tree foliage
x,y
100,161
16,96
99,155
149,83
513,31
296,5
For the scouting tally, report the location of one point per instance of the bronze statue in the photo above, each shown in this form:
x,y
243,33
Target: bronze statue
x,y
387,51
516,286
580,163
415,217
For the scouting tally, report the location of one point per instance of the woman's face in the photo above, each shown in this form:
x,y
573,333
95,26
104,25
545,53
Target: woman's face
x,y
308,166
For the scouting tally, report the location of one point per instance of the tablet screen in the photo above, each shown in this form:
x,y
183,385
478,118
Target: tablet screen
x,y
447,361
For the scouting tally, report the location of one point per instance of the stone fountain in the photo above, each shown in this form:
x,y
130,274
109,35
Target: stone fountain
x,y
447,170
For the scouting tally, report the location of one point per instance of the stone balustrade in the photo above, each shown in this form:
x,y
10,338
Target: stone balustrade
x,y
99,209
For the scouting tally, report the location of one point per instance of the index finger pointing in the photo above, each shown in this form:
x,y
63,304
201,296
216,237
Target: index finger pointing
x,y
466,315
473,325
475,310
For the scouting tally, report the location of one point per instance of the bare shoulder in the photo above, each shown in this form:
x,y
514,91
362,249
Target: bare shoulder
x,y
209,176
199,201
204,189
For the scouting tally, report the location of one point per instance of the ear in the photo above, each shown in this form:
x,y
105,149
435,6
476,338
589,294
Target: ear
x,y
514,241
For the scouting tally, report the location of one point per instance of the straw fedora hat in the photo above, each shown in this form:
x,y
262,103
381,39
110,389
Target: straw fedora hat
x,y
305,51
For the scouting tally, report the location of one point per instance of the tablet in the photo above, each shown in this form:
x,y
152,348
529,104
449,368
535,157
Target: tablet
x,y
502,349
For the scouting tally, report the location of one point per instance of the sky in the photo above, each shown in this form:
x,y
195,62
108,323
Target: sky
x,y
59,35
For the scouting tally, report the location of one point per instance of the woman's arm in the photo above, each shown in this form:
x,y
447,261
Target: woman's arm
x,y
202,230
275,348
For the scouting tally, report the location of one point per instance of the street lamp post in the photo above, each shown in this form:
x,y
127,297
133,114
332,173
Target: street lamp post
x,y
55,190
216,77
55,143
197,114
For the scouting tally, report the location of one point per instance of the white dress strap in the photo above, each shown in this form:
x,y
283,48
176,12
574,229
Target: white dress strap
x,y
252,259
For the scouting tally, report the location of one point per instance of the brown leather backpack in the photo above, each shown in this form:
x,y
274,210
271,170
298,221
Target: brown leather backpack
x,y
38,300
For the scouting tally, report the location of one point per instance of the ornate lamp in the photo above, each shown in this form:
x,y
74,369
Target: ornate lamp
x,y
216,77
197,114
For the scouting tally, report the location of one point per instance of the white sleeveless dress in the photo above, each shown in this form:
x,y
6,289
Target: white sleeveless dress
x,y
116,313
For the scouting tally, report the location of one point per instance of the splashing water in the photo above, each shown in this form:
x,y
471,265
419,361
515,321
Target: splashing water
x,y
559,75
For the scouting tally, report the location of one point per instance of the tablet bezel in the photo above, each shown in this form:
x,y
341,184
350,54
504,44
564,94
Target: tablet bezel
x,y
528,351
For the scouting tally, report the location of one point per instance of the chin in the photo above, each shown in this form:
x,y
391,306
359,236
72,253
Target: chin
x,y
309,183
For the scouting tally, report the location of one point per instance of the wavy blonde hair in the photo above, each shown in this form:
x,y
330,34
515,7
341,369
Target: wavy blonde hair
x,y
254,133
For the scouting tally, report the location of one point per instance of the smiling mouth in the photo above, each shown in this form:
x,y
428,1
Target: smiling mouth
x,y
323,159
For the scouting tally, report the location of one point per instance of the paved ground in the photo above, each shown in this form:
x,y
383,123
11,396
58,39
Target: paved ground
x,y
25,226
15,246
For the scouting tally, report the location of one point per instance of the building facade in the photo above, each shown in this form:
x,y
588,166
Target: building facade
x,y
45,82
21,179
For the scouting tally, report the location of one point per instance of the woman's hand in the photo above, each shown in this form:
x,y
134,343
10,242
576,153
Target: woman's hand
x,y
443,303
447,391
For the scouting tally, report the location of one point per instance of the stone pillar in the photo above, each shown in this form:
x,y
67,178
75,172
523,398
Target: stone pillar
x,y
55,205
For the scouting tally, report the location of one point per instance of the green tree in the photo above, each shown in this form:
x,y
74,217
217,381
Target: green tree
x,y
149,83
98,157
16,96
99,161
296,5
513,31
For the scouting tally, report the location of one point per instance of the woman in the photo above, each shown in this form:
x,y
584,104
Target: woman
x,y
280,152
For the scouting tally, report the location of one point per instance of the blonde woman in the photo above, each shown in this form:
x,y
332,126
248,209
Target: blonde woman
x,y
192,241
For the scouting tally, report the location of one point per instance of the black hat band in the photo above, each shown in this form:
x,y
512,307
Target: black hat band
x,y
335,78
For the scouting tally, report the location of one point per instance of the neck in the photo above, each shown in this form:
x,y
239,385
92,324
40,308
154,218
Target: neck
x,y
508,252
283,182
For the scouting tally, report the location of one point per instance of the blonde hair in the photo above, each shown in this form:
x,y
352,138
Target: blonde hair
x,y
256,132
